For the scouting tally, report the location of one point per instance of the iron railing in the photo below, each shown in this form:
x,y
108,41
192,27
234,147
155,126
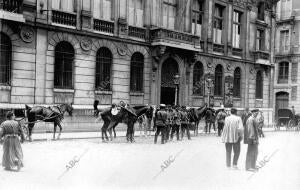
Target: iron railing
x,y
14,6
64,18
104,26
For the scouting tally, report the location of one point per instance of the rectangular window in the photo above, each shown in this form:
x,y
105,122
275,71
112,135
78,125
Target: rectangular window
x,y
218,23
294,74
169,14
64,5
284,41
197,17
237,22
260,38
136,13
283,74
103,9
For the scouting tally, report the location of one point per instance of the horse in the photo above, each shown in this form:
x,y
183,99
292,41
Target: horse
x,y
210,118
53,114
195,115
129,116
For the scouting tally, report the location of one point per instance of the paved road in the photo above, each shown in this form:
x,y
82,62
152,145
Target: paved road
x,y
195,164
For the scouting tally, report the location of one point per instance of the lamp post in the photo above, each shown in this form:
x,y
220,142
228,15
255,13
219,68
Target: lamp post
x,y
176,82
209,83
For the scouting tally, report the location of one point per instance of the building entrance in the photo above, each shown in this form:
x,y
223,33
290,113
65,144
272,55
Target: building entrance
x,y
168,88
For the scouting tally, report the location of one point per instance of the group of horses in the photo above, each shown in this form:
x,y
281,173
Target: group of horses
x,y
111,116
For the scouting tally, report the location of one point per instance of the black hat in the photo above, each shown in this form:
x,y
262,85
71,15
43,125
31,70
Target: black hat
x,y
255,110
9,114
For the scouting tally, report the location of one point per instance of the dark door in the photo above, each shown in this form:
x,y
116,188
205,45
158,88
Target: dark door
x,y
168,88
167,95
282,101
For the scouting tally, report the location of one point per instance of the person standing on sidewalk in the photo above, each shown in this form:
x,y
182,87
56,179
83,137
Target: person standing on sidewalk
x,y
160,123
232,136
220,120
12,150
251,138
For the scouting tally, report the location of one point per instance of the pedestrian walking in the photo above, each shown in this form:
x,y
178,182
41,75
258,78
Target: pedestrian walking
x,y
232,136
220,120
10,130
251,138
160,123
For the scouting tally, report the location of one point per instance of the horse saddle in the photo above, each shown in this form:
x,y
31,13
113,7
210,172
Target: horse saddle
x,y
115,110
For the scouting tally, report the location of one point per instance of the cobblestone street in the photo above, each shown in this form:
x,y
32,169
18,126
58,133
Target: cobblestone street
x,y
195,164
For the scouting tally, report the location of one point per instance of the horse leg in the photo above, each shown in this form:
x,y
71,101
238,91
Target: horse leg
x,y
60,129
54,131
103,132
30,127
114,129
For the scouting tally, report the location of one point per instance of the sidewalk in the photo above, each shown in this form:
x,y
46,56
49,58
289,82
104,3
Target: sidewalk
x,y
97,134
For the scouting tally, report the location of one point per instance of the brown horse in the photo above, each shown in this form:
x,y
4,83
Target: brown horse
x,y
127,115
53,114
195,115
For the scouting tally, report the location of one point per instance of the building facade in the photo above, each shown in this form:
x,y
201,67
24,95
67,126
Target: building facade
x,y
287,55
58,51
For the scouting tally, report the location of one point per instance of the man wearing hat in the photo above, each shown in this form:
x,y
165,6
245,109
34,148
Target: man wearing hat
x,y
220,120
251,138
160,123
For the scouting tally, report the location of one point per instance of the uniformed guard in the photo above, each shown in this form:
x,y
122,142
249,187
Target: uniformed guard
x,y
175,124
160,123
185,123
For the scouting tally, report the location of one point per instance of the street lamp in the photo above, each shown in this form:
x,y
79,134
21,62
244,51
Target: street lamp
x,y
210,84
176,82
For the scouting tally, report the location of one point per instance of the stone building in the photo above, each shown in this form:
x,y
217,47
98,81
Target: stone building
x,y
287,55
58,51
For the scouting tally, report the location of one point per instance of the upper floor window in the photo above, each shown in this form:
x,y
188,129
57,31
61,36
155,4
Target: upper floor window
x,y
63,5
169,14
259,85
136,13
218,80
197,79
5,59
284,41
103,69
283,72
197,16
103,9
261,10
63,66
237,83
237,22
137,72
285,10
218,23
260,39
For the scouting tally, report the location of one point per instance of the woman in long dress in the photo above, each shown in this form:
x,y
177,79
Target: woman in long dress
x,y
10,130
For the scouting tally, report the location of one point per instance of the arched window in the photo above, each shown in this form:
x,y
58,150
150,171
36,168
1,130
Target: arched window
x,y
136,72
283,72
63,66
219,80
237,83
197,79
259,85
103,69
5,59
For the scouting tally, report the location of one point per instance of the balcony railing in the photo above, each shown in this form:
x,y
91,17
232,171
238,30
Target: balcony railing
x,y
64,18
104,26
14,6
237,52
137,32
165,34
261,55
218,48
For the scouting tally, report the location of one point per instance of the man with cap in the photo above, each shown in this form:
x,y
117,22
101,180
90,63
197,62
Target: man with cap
x,y
220,120
160,119
184,123
251,138
232,136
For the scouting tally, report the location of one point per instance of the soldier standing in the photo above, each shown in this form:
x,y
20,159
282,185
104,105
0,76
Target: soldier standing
x,y
175,124
185,123
160,123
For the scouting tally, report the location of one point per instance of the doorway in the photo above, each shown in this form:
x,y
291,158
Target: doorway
x,y
168,87
282,101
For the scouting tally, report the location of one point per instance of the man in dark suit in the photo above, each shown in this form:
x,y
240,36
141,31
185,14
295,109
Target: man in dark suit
x,y
160,123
